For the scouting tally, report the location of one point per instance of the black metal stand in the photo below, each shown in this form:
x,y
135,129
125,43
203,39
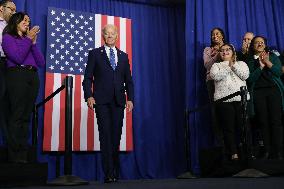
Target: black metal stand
x,y
68,179
251,173
187,174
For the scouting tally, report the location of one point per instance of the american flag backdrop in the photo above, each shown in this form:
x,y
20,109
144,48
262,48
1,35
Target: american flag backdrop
x,y
70,35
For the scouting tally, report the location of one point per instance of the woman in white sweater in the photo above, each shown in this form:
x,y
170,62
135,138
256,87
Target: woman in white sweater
x,y
229,75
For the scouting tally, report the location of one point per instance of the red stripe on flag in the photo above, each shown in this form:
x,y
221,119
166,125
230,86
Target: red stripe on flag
x,y
129,137
103,23
129,41
90,130
48,112
61,146
77,113
117,24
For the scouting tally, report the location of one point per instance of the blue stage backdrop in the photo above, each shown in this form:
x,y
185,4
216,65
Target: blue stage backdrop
x,y
235,17
158,42
168,43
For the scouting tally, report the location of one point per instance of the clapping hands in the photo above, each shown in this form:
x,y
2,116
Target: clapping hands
x,y
264,59
32,33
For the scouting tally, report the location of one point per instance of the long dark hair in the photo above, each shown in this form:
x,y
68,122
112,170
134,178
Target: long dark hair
x,y
15,19
222,33
251,51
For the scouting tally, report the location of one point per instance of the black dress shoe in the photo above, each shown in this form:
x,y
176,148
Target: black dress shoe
x,y
279,156
266,156
108,180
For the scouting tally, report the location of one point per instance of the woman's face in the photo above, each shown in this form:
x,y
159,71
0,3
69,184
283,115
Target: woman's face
x,y
23,26
217,37
259,45
226,53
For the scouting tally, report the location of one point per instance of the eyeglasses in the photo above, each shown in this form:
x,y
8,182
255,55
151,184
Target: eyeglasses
x,y
259,43
11,9
225,50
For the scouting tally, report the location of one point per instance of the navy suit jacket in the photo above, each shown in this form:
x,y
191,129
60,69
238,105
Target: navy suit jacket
x,y
107,83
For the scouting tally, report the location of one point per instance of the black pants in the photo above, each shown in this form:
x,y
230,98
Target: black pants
x,y
110,122
230,117
267,103
215,125
22,88
4,104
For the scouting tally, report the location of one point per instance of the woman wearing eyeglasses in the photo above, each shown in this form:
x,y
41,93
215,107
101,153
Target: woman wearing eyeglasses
x,y
229,76
267,95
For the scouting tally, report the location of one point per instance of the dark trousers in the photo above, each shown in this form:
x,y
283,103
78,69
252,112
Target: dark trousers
x,y
230,118
215,125
267,103
22,88
110,122
4,104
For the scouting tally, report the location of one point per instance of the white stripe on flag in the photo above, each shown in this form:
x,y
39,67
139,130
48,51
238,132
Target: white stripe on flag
x,y
110,19
123,34
123,134
83,121
98,30
55,114
96,134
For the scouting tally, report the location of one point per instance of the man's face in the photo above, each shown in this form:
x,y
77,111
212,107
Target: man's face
x,y
247,39
110,35
259,45
8,10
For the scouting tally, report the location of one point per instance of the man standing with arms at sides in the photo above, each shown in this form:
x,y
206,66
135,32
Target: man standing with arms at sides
x,y
7,9
108,73
243,54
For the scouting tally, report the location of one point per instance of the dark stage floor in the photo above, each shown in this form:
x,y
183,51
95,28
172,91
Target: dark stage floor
x,y
199,183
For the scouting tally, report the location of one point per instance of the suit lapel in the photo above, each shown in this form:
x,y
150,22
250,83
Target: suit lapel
x,y
104,56
106,59
118,57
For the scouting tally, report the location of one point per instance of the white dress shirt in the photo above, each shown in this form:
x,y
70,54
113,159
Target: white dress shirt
x,y
107,49
3,24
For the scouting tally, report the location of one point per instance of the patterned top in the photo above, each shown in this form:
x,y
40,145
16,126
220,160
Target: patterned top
x,y
229,80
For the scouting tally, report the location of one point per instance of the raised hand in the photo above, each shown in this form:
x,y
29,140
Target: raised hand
x,y
32,33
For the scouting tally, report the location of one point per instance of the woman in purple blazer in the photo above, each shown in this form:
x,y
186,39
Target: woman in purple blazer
x,y
23,61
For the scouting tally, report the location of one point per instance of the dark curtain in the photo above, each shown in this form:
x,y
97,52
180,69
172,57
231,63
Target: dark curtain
x,y
235,17
159,79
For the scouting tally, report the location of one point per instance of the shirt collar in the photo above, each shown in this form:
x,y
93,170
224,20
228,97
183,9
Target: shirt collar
x,y
255,56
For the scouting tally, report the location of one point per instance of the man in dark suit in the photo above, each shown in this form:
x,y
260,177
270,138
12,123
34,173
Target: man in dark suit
x,y
108,73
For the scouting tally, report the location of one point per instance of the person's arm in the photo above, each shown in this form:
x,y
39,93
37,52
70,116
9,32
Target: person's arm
x,y
273,63
241,69
38,56
219,71
88,80
209,57
16,51
129,86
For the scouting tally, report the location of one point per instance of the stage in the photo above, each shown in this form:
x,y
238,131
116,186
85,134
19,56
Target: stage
x,y
199,183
